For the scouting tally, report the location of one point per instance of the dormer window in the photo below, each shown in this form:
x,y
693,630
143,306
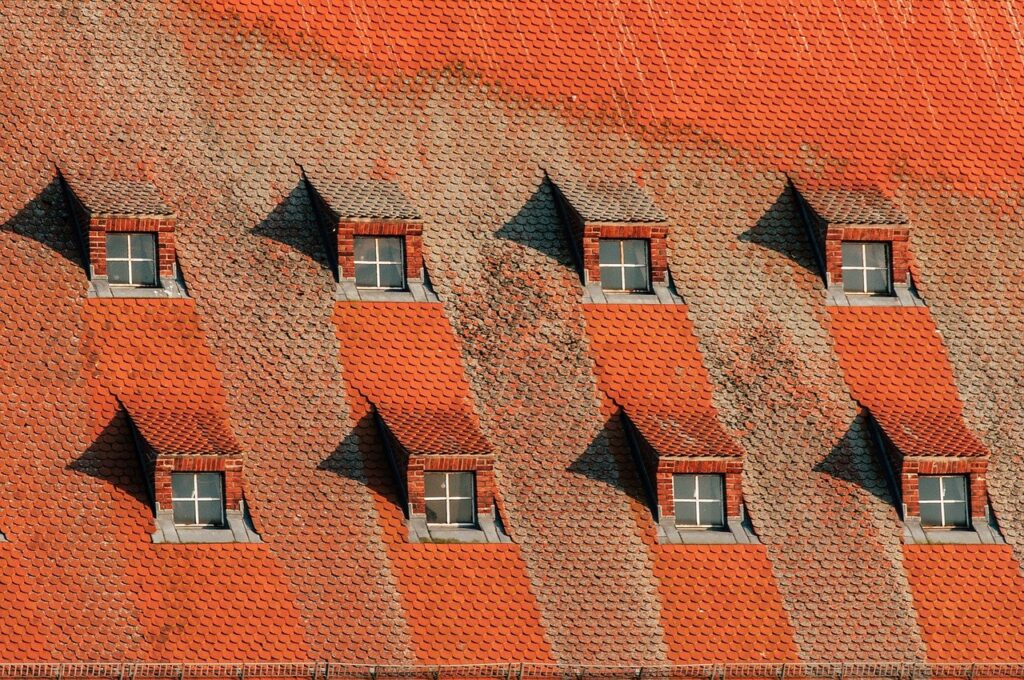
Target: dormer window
x,y
699,501
450,498
625,265
943,501
867,267
131,259
198,499
380,262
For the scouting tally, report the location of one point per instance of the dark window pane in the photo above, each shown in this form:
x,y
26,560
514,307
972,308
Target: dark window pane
x,y
853,281
117,272
435,512
209,484
143,273
462,511
684,486
852,254
610,253
390,249
117,245
391,276
611,278
930,516
710,487
956,514
876,255
181,484
143,246
636,278
460,484
184,512
634,251
366,275
433,484
210,513
928,488
365,249
686,514
877,281
955,488
712,514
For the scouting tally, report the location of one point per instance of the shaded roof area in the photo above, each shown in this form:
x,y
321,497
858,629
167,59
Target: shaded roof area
x,y
405,360
648,363
896,365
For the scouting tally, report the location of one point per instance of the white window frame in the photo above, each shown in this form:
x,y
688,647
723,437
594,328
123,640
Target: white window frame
x,y
129,259
377,262
698,501
195,498
448,498
862,271
622,266
942,502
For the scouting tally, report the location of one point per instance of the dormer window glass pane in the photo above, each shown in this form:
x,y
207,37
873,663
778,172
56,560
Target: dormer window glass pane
x,y
450,498
380,262
943,501
625,265
198,498
131,259
699,500
866,267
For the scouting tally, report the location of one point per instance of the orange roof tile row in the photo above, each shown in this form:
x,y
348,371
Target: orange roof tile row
x,y
969,601
896,365
648,363
405,360
152,356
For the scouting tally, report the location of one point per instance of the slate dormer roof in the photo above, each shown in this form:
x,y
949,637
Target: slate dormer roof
x,y
609,200
364,199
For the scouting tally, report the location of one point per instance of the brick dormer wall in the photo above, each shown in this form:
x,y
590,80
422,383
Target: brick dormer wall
x,y
411,232
481,465
730,468
898,236
163,226
976,470
230,466
655,234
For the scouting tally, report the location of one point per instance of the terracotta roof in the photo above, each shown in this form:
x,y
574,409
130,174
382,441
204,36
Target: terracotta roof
x,y
648,363
711,108
102,196
853,205
406,361
368,199
621,200
969,601
896,366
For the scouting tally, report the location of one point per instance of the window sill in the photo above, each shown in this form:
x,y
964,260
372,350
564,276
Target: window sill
x,y
487,531
734,532
660,294
980,532
417,291
903,296
100,288
238,530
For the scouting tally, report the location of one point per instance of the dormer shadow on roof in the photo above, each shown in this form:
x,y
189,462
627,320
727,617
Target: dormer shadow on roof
x,y
373,237
650,367
126,234
618,238
862,242
895,364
